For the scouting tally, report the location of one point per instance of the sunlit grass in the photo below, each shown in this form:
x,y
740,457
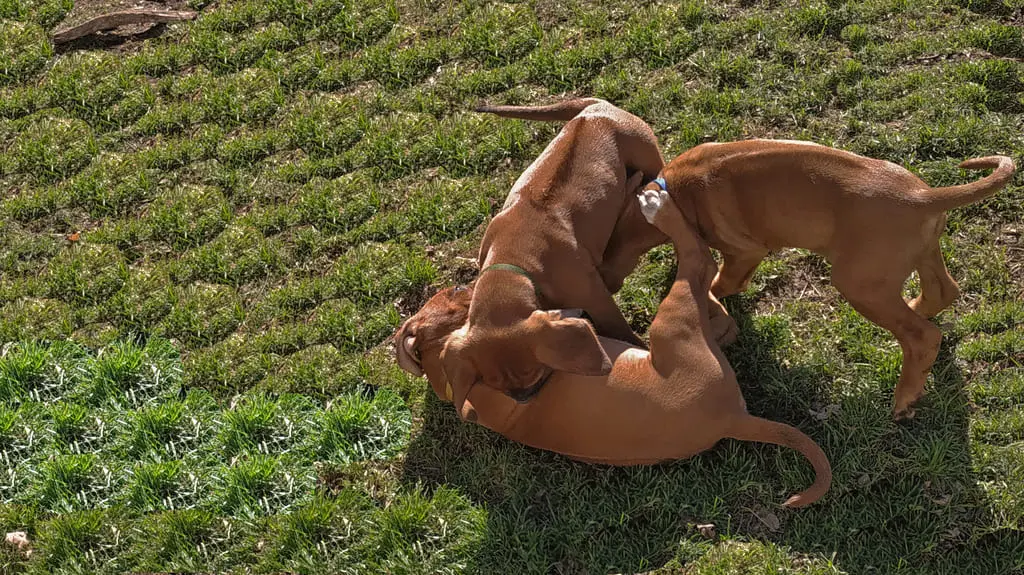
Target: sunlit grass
x,y
207,237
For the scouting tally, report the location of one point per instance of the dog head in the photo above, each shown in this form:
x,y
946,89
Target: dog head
x,y
517,359
439,342
421,339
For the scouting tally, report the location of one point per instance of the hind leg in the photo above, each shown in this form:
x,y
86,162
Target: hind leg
x,y
735,272
877,297
938,289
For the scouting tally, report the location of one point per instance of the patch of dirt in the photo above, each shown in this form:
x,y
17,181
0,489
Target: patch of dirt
x,y
377,478
807,278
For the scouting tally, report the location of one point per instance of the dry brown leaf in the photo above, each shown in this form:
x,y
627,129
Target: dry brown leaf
x,y
19,540
707,530
769,519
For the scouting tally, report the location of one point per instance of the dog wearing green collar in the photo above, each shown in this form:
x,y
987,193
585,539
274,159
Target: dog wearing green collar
x,y
567,237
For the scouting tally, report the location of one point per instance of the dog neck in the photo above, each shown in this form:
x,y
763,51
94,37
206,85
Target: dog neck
x,y
501,296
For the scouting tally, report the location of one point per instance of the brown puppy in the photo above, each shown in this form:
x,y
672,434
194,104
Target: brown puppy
x,y
547,249
673,402
874,221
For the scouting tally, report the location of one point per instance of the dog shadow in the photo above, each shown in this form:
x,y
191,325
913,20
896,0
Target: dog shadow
x,y
547,514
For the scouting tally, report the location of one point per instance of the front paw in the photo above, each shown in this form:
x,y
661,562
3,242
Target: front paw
x,y
651,202
658,208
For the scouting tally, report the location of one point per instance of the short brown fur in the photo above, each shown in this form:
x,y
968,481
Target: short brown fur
x,y
873,220
673,402
569,223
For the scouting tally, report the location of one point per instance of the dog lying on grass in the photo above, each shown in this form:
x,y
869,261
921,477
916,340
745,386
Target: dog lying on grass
x,y
873,220
672,402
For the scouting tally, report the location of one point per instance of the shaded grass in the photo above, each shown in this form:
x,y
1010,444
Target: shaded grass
x,y
264,185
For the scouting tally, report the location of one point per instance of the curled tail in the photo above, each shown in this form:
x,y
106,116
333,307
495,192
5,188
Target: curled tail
x,y
753,428
956,196
562,111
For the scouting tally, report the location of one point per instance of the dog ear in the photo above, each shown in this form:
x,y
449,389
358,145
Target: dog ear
x,y
458,371
569,345
406,350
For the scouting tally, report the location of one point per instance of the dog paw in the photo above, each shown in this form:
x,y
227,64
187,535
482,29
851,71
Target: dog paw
x,y
905,413
651,202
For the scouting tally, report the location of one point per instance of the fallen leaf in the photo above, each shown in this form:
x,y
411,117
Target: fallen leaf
x,y
825,412
74,237
19,539
707,530
770,520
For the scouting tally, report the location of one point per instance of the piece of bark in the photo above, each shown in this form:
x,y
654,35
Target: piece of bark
x,y
122,18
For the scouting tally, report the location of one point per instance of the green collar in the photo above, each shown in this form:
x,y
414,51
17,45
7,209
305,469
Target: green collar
x,y
516,270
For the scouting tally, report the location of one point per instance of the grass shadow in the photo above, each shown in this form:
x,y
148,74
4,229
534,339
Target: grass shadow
x,y
904,496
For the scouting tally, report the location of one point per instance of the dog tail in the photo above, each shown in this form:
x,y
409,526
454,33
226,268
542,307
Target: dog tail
x,y
956,196
562,111
753,428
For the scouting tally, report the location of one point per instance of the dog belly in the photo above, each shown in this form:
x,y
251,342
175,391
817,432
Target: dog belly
x,y
618,429
647,444
753,222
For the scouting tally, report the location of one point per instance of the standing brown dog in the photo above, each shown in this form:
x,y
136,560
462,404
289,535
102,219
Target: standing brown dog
x,y
873,220
673,402
568,235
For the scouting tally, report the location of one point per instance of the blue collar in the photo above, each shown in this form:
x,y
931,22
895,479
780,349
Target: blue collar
x,y
661,184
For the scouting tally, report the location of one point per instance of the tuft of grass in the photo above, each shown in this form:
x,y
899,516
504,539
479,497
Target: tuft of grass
x,y
152,485
25,49
86,274
189,217
202,314
31,371
50,149
260,485
357,428
261,424
127,374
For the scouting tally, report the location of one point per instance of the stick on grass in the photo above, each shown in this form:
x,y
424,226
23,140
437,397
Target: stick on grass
x,y
117,19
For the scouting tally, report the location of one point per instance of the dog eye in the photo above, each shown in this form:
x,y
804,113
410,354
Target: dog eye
x,y
459,289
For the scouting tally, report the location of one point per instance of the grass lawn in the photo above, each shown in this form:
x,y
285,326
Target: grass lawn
x,y
208,232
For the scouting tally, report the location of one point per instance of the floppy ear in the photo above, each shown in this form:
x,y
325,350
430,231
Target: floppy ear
x,y
407,353
570,345
458,370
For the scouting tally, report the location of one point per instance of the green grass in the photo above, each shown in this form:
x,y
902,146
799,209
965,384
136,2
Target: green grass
x,y
200,380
